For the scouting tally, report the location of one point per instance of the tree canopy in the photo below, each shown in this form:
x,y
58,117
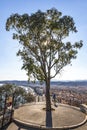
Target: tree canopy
x,y
41,35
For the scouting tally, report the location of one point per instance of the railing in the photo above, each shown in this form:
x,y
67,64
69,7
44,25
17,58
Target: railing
x,y
41,98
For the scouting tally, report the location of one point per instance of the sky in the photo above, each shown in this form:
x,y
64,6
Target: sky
x,y
10,64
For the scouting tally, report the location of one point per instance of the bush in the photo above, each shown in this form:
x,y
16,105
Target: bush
x,y
29,97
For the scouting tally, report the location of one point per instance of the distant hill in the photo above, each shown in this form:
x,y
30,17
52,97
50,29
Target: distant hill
x,y
15,82
70,83
53,83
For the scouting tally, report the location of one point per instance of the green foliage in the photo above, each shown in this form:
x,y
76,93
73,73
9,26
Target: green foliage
x,y
19,91
8,88
42,38
29,97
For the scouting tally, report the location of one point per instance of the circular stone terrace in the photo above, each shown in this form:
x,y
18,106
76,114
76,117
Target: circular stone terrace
x,y
63,117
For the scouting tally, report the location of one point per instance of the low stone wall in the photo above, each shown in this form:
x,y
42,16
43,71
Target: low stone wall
x,y
83,108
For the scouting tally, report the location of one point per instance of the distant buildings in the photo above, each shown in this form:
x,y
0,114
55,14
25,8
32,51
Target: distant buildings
x,y
70,96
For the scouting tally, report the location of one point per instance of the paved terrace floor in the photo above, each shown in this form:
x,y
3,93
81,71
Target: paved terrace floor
x,y
36,117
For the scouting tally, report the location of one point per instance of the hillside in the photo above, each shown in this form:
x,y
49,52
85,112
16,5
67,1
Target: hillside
x,y
53,83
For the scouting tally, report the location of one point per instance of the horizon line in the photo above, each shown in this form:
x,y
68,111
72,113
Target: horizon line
x,y
51,80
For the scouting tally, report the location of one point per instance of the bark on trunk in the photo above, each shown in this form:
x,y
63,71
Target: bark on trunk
x,y
48,101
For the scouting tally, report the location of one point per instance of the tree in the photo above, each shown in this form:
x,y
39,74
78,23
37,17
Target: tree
x,y
43,48
19,91
29,97
8,88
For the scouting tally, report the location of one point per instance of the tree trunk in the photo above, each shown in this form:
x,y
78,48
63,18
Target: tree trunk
x,y
48,101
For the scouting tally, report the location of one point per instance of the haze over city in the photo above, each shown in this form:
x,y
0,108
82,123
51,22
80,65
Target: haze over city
x,y
10,64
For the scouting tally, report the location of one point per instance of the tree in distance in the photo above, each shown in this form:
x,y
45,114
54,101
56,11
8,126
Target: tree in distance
x,y
43,48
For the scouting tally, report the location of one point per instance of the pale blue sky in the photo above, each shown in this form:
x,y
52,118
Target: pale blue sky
x,y
10,64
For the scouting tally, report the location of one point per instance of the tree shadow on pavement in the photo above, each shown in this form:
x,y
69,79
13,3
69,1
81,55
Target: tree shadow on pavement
x,y
48,119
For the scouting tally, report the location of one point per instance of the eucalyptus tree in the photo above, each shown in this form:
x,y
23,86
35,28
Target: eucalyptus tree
x,y
6,88
43,49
